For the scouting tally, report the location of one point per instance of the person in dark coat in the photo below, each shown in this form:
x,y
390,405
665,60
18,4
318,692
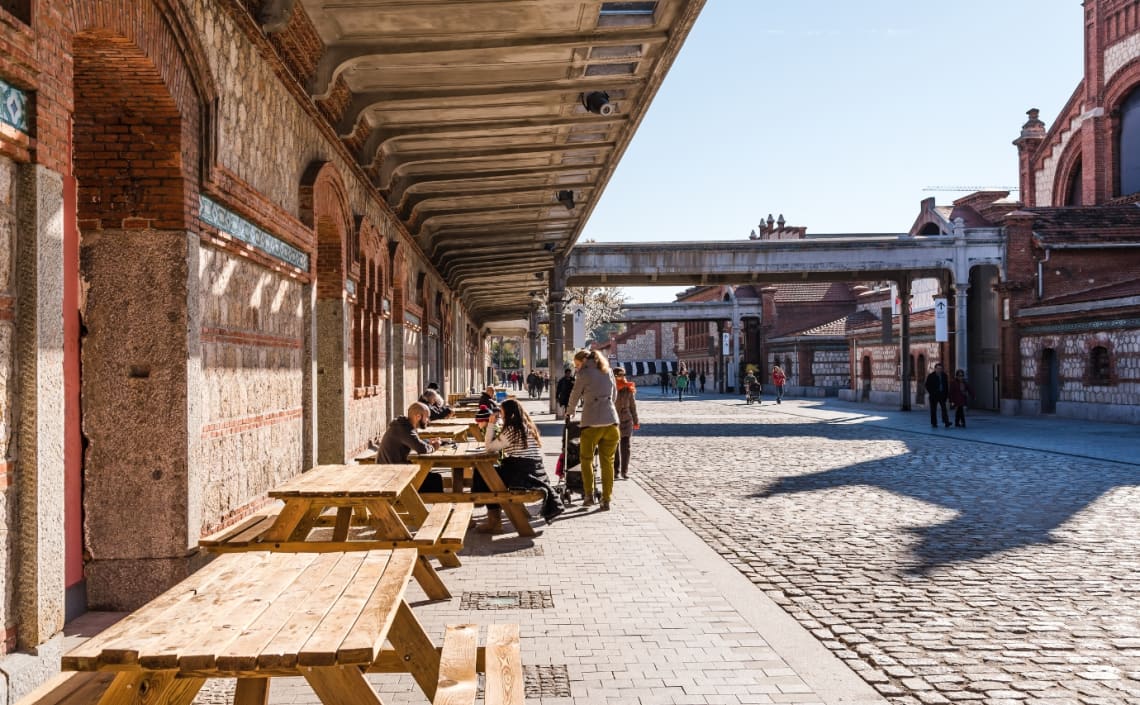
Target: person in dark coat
x,y
562,391
938,391
960,394
402,437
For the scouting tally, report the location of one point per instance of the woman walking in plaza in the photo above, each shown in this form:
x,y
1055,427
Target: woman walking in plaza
x,y
595,388
682,384
778,380
627,419
960,393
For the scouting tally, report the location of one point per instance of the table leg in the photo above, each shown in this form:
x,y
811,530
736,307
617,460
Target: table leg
x,y
415,649
252,691
285,525
410,501
343,521
341,685
429,580
515,510
151,688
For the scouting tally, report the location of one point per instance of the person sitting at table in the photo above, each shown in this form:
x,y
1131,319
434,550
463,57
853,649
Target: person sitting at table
x,y
436,408
488,399
483,418
521,465
402,437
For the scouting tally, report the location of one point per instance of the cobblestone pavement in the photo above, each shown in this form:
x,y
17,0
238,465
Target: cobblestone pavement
x,y
941,569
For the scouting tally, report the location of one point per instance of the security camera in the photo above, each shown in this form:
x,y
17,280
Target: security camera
x,y
566,198
598,102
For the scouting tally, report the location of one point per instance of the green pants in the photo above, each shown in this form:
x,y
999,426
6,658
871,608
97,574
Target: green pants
x,y
604,439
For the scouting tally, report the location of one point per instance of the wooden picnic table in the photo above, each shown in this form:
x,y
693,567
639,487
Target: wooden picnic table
x,y
375,506
474,455
322,616
446,429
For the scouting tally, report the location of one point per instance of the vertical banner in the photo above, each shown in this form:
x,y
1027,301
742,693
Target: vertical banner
x,y
725,343
543,343
941,318
579,313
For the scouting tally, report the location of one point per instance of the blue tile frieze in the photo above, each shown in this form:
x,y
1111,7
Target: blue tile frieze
x,y
14,107
350,287
233,224
411,318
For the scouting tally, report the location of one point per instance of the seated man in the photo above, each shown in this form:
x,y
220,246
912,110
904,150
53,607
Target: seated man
x,y
402,437
488,399
434,402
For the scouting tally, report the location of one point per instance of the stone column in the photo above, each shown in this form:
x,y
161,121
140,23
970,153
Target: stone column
x,y
904,341
39,598
333,375
961,330
556,305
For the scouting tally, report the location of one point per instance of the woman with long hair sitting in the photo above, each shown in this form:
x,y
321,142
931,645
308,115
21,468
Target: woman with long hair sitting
x,y
521,465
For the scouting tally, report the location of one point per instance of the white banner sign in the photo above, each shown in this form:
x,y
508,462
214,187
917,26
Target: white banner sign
x,y
543,343
579,313
941,320
724,343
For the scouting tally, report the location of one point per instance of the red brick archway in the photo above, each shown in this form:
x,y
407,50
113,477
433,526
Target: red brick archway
x,y
135,169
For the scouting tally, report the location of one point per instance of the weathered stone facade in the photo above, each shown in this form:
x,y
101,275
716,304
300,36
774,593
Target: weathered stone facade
x,y
8,516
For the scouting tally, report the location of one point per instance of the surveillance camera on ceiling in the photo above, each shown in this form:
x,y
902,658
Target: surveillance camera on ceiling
x,y
598,102
566,198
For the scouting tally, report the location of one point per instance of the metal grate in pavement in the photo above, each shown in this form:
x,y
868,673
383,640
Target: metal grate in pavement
x,y
552,681
502,548
507,600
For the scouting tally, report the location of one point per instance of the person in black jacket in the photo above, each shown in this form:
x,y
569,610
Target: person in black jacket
x,y
402,437
562,391
937,391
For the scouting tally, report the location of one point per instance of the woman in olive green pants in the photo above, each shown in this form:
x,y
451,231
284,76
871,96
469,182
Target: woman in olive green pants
x,y
594,386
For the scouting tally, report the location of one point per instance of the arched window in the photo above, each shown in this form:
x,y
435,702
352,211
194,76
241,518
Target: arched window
x,y
1100,366
1074,191
1128,144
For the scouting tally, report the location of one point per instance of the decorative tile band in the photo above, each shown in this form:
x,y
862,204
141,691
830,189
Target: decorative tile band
x,y
14,107
233,224
1125,323
433,330
350,287
411,318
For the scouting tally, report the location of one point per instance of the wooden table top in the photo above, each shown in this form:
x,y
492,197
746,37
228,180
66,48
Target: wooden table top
x,y
387,481
457,455
260,612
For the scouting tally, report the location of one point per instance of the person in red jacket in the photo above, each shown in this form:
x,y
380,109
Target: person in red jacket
x,y
960,392
778,379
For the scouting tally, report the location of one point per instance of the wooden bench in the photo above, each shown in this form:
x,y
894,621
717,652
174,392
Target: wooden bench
x,y
439,536
459,666
70,688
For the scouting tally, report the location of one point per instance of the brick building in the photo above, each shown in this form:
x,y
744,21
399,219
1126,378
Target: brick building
x,y
238,236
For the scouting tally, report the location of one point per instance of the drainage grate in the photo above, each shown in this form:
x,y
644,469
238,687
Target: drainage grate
x,y
506,549
507,600
546,681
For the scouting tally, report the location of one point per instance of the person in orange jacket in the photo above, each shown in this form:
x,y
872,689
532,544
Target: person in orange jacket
x,y
628,422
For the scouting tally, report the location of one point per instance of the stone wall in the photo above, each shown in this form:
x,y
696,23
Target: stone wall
x,y
7,388
1079,396
639,346
251,372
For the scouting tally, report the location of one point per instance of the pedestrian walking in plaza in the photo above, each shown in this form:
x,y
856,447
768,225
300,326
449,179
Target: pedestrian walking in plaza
x,y
937,391
562,391
960,394
595,388
778,380
628,422
702,380
664,382
682,384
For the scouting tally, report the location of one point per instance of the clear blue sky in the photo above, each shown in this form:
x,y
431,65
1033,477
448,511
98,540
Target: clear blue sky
x,y
837,114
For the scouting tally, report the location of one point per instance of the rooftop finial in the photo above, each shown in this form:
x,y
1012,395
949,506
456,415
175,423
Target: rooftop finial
x,y
1033,127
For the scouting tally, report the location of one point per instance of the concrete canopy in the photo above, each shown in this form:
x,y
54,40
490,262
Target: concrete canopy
x,y
472,118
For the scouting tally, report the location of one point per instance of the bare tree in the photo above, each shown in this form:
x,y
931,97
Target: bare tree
x,y
602,305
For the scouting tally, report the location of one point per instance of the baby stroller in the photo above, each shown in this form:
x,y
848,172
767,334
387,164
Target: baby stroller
x,y
753,394
569,467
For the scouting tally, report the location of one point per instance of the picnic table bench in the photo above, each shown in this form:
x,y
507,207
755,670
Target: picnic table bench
x,y
474,455
256,616
355,507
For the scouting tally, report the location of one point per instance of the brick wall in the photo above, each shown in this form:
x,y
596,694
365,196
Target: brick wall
x,y
8,516
252,337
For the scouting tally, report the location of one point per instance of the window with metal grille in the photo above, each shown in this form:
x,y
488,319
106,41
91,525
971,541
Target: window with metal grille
x,y
626,14
1100,366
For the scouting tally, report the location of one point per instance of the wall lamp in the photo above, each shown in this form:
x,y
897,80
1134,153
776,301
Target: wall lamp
x,y
598,102
566,198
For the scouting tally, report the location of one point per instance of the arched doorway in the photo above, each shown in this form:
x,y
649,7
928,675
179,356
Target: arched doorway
x,y
136,282
984,337
866,376
1050,376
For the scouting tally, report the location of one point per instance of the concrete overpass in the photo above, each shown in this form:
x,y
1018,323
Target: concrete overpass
x,y
819,258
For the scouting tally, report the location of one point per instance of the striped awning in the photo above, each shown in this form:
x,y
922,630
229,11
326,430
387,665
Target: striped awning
x,y
640,368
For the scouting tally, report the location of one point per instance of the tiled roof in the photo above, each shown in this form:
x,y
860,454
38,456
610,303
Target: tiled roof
x,y
839,327
1092,224
829,292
